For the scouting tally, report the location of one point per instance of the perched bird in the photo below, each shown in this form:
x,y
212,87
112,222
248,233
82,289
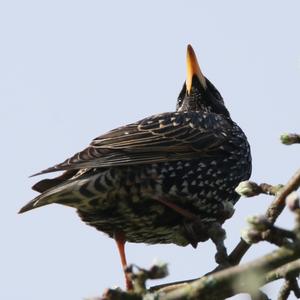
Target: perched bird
x,y
164,179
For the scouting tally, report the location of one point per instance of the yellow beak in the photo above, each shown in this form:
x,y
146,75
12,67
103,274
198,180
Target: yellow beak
x,y
193,69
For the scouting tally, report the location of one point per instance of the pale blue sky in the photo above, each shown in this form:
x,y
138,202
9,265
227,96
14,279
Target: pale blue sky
x,y
71,70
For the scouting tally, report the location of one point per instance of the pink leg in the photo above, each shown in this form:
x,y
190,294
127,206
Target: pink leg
x,y
120,240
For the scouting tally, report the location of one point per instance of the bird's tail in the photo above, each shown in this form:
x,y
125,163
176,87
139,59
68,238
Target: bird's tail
x,y
32,204
50,196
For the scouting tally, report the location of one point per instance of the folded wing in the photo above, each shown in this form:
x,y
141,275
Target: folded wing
x,y
159,138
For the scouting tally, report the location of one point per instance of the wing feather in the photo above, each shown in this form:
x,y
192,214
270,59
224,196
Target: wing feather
x,y
164,137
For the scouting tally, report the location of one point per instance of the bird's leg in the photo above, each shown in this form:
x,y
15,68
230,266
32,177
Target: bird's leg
x,y
120,240
214,231
185,213
189,226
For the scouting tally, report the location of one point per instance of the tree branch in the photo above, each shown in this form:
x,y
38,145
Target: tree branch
x,y
245,278
274,210
289,286
288,270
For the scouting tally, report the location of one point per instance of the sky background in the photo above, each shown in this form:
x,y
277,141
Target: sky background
x,y
72,70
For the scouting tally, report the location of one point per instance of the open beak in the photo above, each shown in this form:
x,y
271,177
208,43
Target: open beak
x,y
193,69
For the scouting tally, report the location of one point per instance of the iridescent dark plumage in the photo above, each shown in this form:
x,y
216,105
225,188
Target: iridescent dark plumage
x,y
128,179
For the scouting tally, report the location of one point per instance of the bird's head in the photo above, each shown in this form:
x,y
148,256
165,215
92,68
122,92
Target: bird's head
x,y
198,93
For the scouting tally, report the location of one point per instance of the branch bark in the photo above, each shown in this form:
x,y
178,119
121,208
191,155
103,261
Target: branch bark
x,y
246,278
238,279
273,212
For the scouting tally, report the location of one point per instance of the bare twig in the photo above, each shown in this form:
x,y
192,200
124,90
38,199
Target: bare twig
x,y
251,189
285,291
278,204
274,210
139,276
290,285
262,230
295,287
238,279
290,138
289,270
246,278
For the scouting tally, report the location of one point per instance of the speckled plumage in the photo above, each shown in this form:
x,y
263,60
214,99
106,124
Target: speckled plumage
x,y
193,158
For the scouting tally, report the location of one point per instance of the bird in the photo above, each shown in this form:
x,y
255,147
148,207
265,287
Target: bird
x,y
165,179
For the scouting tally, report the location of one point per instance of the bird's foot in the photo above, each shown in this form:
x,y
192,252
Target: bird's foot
x,y
217,234
198,231
139,275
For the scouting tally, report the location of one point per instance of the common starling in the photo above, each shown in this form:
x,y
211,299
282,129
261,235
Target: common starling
x,y
168,178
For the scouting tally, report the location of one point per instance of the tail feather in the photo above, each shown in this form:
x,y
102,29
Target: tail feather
x,y
52,195
32,204
55,192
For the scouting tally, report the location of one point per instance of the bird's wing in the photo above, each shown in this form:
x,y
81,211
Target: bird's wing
x,y
164,137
